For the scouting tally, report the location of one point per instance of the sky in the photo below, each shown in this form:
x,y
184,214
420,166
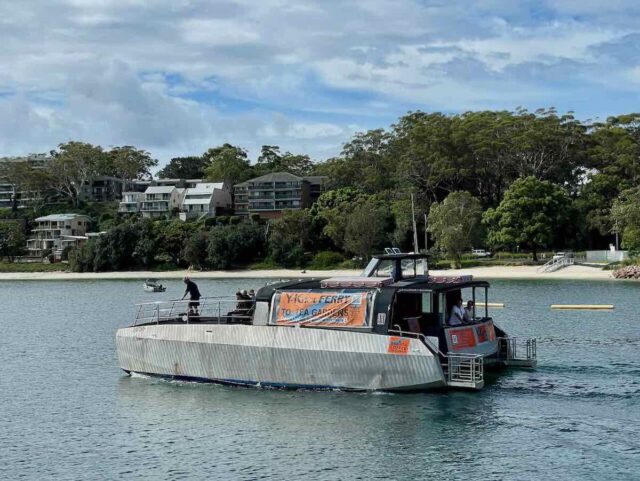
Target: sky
x,y
176,77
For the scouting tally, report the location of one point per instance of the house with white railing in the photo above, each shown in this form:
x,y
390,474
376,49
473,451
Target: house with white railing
x,y
131,202
161,201
206,199
54,232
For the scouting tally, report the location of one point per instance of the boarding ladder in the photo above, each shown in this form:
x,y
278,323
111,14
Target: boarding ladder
x,y
557,263
517,352
461,370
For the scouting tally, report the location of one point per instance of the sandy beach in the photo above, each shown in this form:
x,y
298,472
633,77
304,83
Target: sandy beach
x,y
494,272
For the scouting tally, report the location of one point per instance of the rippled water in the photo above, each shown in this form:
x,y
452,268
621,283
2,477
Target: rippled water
x,y
68,412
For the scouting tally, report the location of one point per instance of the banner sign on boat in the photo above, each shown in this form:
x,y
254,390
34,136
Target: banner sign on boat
x,y
477,338
321,308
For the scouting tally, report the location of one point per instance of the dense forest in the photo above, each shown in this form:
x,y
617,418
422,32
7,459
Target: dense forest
x,y
513,181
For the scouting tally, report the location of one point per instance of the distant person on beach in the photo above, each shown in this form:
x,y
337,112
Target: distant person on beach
x,y
194,295
457,314
468,313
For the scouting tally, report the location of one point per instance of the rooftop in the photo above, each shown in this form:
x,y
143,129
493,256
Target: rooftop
x,y
284,177
159,189
205,188
277,177
61,217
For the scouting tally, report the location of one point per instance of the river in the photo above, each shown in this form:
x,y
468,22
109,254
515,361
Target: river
x,y
68,412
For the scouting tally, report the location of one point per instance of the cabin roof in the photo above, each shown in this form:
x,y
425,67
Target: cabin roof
x,y
437,283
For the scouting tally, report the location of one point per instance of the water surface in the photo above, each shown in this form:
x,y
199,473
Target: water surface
x,y
68,412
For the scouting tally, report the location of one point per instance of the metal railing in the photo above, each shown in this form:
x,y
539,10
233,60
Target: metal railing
x,y
465,368
517,349
209,309
557,263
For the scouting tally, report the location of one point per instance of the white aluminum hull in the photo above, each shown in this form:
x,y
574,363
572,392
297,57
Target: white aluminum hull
x,y
277,356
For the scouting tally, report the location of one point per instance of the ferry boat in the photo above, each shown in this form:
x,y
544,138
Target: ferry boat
x,y
386,329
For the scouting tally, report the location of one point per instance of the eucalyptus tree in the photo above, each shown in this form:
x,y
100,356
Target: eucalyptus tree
x,y
455,224
227,162
191,167
72,166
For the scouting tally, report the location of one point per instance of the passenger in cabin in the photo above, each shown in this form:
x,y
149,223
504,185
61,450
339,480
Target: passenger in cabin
x,y
468,317
457,314
194,296
239,301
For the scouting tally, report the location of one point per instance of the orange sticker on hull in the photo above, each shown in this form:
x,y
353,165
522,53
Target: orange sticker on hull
x,y
398,345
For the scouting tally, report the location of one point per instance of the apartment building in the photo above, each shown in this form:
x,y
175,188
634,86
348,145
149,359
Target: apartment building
x,y
131,202
53,232
271,194
206,199
161,201
10,193
104,188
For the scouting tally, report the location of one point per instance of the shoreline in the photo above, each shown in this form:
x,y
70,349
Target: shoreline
x,y
575,272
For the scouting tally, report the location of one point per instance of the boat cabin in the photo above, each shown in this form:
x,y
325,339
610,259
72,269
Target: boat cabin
x,y
394,295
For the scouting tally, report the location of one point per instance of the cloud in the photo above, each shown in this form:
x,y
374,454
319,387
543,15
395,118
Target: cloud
x,y
176,77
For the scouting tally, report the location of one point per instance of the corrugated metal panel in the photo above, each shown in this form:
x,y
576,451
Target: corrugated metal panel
x,y
277,355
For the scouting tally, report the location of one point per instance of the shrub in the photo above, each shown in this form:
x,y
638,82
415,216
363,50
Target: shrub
x,y
232,245
326,260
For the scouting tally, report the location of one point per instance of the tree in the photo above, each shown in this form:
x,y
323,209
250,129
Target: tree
x,y
626,215
185,168
227,162
290,238
72,166
454,224
528,216
229,245
195,250
173,238
271,160
365,163
12,240
330,212
29,180
128,163
368,227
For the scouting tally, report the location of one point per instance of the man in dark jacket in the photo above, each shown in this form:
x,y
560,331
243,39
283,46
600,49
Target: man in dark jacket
x,y
194,296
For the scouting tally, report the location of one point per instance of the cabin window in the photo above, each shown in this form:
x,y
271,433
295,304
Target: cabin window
x,y
427,304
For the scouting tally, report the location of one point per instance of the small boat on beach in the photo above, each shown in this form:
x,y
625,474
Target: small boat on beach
x,y
153,285
387,329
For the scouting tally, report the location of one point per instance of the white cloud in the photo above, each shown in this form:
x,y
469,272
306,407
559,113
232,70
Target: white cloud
x,y
174,75
218,32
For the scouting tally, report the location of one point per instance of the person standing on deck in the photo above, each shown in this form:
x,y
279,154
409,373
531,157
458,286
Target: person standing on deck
x,y
194,296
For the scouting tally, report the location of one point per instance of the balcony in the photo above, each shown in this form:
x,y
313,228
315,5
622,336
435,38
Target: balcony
x,y
266,195
155,207
131,207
